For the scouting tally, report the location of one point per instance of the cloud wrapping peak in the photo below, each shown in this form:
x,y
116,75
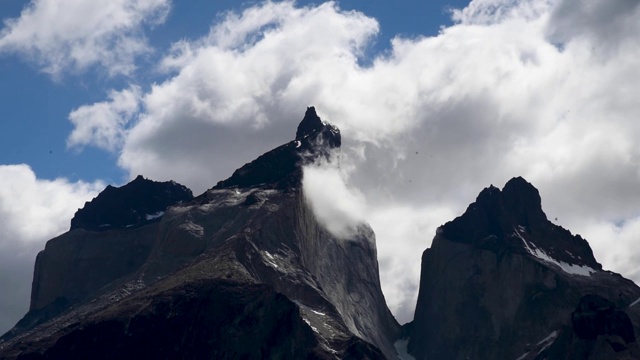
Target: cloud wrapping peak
x,y
514,88
73,35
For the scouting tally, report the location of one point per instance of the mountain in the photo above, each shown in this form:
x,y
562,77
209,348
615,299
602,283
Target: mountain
x,y
503,282
242,271
246,271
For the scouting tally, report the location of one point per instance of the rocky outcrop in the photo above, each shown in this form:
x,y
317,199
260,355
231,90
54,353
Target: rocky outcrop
x,y
502,282
242,271
134,204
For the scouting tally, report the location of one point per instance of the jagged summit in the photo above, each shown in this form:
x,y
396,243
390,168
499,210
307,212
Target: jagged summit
x,y
309,124
281,167
513,220
133,204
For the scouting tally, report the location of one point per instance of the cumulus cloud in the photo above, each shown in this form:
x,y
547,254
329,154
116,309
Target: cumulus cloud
x,y
62,35
243,83
103,124
514,88
32,211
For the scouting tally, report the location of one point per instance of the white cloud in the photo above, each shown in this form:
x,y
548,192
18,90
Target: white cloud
x,y
241,84
32,211
63,35
103,124
512,88
338,208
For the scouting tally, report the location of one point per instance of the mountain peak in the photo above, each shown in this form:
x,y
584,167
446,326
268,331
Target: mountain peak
x,y
518,200
282,166
503,282
309,124
136,203
512,219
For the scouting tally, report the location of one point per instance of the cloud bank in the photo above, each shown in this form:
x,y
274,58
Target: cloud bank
x,y
31,212
544,89
73,35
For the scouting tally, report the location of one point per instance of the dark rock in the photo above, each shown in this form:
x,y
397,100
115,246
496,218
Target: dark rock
x,y
310,124
212,319
501,282
595,316
133,204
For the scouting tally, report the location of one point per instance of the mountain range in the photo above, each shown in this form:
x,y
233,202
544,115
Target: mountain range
x,y
246,271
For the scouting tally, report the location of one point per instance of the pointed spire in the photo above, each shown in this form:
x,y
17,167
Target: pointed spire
x,y
310,124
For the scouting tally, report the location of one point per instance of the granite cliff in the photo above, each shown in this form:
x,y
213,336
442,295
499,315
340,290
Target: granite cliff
x,y
243,271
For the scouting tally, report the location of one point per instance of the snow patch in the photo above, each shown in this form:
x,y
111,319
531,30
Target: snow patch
x,y
635,302
305,308
154,216
270,259
317,312
548,341
105,225
298,144
573,269
311,326
401,349
523,356
193,229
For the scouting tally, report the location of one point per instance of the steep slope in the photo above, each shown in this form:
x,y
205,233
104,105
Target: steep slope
x,y
96,251
241,271
503,282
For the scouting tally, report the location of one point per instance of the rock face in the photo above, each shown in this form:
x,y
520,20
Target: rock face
x,y
241,271
503,282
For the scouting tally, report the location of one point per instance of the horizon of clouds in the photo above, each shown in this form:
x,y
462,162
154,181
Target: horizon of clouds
x,y
535,88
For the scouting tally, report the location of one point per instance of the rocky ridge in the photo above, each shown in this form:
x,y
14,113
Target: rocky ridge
x,y
241,271
131,205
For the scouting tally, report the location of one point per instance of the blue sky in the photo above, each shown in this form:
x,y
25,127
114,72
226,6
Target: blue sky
x,y
435,100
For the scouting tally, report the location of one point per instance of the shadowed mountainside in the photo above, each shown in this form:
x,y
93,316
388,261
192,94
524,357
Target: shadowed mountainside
x,y
241,271
503,282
